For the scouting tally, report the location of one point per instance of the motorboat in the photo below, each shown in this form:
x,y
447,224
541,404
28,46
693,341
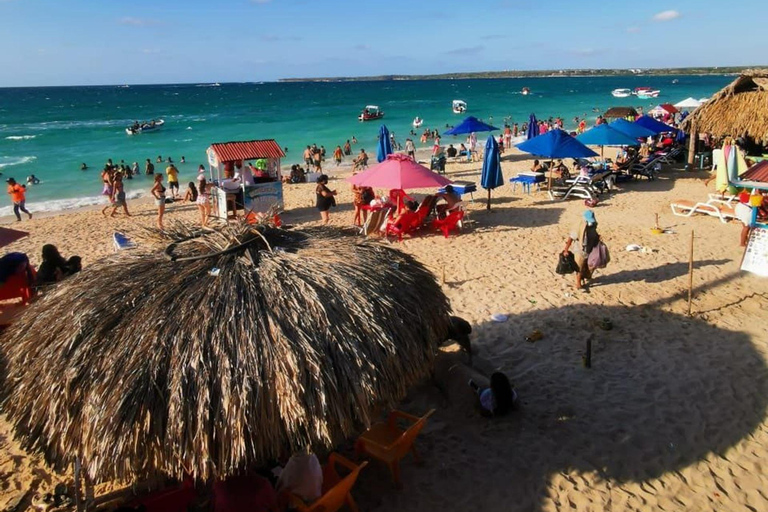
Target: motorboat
x,y
525,91
144,126
621,93
417,122
459,106
370,113
646,92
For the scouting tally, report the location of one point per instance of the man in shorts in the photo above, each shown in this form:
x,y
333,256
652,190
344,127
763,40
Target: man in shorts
x,y
173,180
18,198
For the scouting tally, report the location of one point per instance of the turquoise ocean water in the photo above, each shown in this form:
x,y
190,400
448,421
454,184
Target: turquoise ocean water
x,y
49,132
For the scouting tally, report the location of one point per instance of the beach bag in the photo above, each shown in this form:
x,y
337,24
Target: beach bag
x,y
566,264
599,257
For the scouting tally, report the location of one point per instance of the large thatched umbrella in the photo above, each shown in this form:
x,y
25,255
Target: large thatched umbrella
x,y
147,365
738,110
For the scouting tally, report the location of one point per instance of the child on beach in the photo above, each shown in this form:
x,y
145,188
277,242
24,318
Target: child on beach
x,y
203,200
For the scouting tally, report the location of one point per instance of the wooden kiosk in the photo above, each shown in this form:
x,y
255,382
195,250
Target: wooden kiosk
x,y
235,185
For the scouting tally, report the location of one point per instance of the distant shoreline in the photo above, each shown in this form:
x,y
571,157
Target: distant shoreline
x,y
559,73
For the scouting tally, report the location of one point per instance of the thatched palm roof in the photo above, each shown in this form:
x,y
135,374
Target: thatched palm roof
x,y
620,113
143,365
738,110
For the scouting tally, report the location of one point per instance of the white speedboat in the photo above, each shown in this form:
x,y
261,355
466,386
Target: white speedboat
x,y
459,106
646,92
417,122
145,126
621,93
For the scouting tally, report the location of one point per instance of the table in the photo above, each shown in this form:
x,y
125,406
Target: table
x,y
526,180
461,188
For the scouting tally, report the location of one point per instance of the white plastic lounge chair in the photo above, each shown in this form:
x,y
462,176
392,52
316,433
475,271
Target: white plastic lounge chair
x,y
685,208
582,190
122,242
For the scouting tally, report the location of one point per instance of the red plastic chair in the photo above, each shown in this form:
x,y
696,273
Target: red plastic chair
x,y
397,197
449,223
336,488
408,223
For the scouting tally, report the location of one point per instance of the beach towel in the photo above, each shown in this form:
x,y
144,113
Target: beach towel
x,y
122,242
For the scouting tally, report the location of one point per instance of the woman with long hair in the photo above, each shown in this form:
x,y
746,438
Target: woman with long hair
x,y
203,200
158,192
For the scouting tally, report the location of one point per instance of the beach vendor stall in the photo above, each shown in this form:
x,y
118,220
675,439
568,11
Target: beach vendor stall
x,y
245,176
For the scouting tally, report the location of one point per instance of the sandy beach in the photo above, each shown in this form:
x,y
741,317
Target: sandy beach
x,y
671,416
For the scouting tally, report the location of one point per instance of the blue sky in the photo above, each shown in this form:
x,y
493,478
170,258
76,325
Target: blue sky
x,y
70,42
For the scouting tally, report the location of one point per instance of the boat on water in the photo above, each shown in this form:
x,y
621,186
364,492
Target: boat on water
x,y
621,93
459,106
525,91
144,126
646,92
370,113
417,122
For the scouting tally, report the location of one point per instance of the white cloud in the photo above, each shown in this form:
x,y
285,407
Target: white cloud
x,y
633,30
666,16
137,22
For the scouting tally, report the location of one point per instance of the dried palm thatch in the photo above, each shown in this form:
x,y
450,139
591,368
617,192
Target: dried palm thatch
x,y
738,110
146,365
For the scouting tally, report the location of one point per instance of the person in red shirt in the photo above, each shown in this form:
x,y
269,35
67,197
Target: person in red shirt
x,y
18,198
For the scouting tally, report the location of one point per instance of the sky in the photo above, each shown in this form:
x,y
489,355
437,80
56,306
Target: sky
x,y
92,42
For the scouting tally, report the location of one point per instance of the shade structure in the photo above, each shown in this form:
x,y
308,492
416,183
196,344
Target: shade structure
x,y
605,135
491,176
533,127
556,144
384,147
654,125
688,103
620,113
8,235
664,108
398,171
633,130
469,125
213,372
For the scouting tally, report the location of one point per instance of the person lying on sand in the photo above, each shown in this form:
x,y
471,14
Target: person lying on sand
x,y
499,398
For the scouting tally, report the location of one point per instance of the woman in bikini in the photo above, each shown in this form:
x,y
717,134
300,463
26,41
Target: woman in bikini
x,y
158,192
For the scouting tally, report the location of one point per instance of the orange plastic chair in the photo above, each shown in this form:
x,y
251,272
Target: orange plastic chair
x,y
388,443
336,489
449,223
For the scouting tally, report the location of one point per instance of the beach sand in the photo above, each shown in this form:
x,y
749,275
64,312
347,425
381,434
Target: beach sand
x,y
671,415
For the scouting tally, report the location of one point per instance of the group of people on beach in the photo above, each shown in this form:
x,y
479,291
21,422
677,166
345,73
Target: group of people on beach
x,y
314,156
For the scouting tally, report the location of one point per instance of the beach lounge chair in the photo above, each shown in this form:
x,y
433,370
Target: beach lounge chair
x,y
389,443
451,222
376,221
685,208
648,168
581,189
122,242
669,156
336,489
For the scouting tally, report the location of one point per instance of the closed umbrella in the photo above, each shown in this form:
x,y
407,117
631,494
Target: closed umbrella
x,y
491,176
384,147
470,125
533,127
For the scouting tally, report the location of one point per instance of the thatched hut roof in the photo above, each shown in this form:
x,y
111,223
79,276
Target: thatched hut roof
x,y
620,113
142,365
738,110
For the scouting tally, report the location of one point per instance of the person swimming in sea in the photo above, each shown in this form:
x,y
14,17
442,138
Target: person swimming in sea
x,y
83,167
32,180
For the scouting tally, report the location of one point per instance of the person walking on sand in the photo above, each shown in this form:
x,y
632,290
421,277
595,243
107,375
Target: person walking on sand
x,y
586,238
158,192
203,200
173,180
325,198
18,195
118,195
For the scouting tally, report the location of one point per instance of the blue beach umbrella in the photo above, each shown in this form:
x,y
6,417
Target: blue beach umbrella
x,y
491,176
384,146
556,144
470,125
533,127
654,125
634,130
604,135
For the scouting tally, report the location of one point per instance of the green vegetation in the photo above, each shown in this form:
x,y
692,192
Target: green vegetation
x,y
526,74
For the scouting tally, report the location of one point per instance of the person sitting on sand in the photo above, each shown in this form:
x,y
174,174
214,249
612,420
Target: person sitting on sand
x,y
54,267
499,398
463,150
452,201
451,151
190,196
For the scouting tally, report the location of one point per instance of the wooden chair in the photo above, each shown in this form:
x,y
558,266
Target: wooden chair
x,y
336,489
388,443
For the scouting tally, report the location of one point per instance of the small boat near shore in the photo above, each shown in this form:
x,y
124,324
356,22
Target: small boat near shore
x,y
417,122
459,106
621,93
525,91
370,113
646,92
144,126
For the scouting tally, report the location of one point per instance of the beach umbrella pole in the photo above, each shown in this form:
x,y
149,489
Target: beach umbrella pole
x,y
488,206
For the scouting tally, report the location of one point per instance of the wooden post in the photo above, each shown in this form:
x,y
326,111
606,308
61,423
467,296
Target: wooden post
x,y
690,275
692,149
489,200
588,354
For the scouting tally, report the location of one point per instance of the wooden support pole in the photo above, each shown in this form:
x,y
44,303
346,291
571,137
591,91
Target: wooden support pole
x,y
692,143
690,275
488,207
587,359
